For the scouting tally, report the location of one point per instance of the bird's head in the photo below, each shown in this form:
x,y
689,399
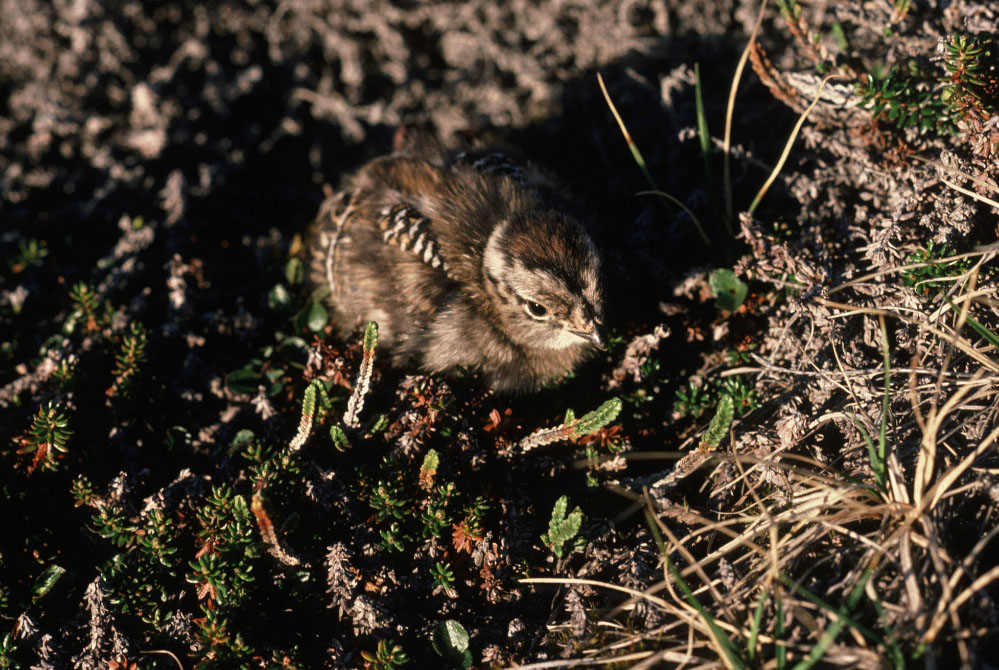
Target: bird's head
x,y
542,272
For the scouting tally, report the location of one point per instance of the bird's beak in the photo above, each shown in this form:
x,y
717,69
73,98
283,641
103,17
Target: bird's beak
x,y
595,337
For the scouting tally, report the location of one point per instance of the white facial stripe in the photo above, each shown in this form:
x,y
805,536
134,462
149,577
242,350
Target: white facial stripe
x,y
493,257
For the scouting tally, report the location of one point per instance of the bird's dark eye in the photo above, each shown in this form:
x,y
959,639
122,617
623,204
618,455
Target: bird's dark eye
x,y
536,310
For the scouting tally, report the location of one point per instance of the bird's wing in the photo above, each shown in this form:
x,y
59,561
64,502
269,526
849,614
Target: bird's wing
x,y
402,225
499,163
511,164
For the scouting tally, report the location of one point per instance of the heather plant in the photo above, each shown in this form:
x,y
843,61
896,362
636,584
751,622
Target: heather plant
x,y
564,528
31,253
387,656
46,442
128,361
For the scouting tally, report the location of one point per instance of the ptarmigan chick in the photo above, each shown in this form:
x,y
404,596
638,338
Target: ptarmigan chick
x,y
463,260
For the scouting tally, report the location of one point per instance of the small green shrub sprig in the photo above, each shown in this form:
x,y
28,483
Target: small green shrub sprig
x,y
142,583
940,269
128,363
694,398
572,427
387,656
972,87
87,309
47,438
31,253
916,97
7,652
907,98
563,528
443,579
226,539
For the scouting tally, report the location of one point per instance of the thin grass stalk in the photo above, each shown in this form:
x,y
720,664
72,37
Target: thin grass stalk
x,y
971,194
880,472
635,152
780,647
694,566
986,334
679,203
790,142
593,582
964,566
583,662
704,136
730,109
723,642
842,613
989,249
640,160
755,624
946,168
936,492
939,620
961,344
926,458
829,636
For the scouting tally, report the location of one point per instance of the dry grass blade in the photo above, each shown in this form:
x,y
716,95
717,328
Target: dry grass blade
x,y
730,109
790,142
972,194
960,343
679,203
593,582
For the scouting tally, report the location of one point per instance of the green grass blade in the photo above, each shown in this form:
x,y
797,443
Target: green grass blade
x,y
780,649
831,633
754,628
636,154
977,326
639,159
724,641
879,464
842,613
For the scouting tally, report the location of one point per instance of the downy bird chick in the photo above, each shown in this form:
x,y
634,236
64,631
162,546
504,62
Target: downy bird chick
x,y
463,260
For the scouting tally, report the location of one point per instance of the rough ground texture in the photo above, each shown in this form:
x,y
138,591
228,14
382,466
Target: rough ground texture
x,y
158,167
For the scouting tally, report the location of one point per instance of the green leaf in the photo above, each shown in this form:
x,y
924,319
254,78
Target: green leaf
x,y
318,316
245,380
378,424
294,271
562,527
729,290
278,297
598,418
370,336
839,36
46,581
450,641
722,419
340,441
431,461
244,436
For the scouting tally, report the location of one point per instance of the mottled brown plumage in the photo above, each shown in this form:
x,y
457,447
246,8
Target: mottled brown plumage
x,y
464,260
